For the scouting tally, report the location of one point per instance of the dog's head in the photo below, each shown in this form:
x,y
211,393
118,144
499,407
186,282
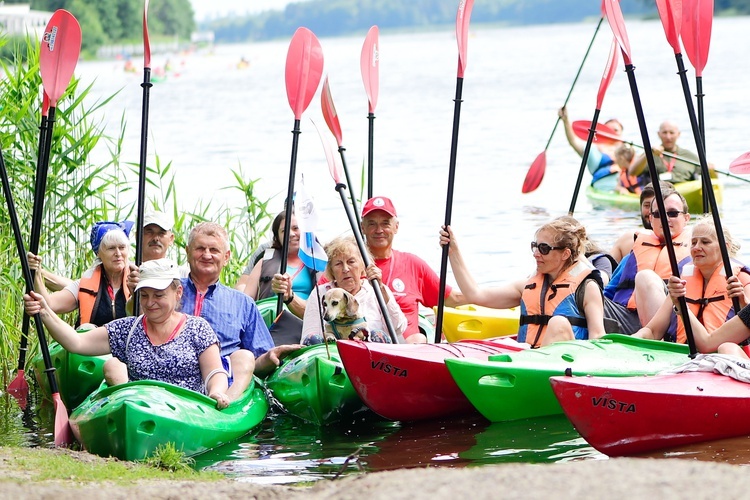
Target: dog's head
x,y
339,305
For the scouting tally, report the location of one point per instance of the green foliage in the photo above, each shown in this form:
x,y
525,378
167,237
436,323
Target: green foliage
x,y
168,457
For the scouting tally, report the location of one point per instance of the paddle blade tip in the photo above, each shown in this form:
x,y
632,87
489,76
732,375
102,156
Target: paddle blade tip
x,y
63,433
535,174
741,165
19,389
304,69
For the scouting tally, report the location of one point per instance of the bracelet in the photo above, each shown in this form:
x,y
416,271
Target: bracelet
x,y
290,299
214,372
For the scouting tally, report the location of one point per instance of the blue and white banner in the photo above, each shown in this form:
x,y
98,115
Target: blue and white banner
x,y
310,251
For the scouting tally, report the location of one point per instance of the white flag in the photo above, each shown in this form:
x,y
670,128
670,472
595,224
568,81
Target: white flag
x,y
310,251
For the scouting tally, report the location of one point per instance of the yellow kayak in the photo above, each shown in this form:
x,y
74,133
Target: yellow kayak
x,y
477,322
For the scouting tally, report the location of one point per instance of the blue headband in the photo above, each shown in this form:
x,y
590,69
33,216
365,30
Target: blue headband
x,y
102,228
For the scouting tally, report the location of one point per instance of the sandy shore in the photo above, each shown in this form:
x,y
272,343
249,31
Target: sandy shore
x,y
614,478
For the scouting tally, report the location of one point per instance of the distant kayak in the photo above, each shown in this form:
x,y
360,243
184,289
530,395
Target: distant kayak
x,y
691,190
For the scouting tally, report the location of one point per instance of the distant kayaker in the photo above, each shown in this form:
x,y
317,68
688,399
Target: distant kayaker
x,y
561,301
101,293
601,160
637,285
346,269
163,344
686,168
262,279
704,285
412,281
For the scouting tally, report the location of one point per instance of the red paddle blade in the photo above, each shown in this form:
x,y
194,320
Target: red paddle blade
x,y
609,73
369,64
329,112
63,434
603,134
535,174
617,24
670,12
463,16
19,389
697,19
58,53
146,43
741,165
304,69
335,166
45,104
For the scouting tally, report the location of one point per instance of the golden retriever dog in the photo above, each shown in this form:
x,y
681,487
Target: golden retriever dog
x,y
343,321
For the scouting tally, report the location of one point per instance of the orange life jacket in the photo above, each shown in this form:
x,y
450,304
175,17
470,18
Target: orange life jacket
x,y
711,306
651,253
89,293
629,182
541,299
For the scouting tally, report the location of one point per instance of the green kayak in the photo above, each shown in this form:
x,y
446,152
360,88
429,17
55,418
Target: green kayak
x,y
516,385
77,375
314,387
130,421
691,190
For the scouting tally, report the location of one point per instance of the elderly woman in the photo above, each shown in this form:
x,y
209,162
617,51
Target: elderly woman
x,y
101,293
263,279
705,286
162,344
562,300
346,269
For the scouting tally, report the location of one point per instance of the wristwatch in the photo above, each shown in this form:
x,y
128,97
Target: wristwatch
x,y
290,299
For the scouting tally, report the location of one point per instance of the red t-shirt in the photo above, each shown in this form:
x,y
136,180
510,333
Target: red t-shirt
x,y
412,282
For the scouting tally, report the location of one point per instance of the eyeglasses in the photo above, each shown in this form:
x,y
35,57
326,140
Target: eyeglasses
x,y
543,248
672,214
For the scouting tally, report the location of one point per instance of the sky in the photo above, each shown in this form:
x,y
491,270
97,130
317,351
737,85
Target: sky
x,y
215,8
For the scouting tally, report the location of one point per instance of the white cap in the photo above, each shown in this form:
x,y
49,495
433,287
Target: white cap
x,y
159,218
158,274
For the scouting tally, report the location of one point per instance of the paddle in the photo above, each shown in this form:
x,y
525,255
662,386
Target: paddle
x,y
463,16
609,73
304,68
18,387
617,23
369,64
697,18
141,196
741,165
332,120
335,168
605,135
536,171
671,15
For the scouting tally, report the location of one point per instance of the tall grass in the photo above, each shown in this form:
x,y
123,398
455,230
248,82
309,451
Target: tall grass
x,y
80,192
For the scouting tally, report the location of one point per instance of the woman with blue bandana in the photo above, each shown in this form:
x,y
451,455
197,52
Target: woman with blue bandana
x,y
101,293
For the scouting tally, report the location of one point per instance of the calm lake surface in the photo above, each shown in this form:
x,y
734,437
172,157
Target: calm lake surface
x,y
209,117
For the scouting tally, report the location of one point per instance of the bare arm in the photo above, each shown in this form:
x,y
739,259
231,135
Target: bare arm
x,y
268,362
574,141
217,386
250,281
659,324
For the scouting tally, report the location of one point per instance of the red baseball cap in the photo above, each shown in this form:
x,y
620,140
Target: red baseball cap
x,y
379,203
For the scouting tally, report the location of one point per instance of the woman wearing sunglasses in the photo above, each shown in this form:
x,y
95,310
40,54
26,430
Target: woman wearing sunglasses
x,y
563,300
703,283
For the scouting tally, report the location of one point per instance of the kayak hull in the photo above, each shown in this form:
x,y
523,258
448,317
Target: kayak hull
x,y
411,382
476,322
516,385
642,414
130,421
691,190
315,387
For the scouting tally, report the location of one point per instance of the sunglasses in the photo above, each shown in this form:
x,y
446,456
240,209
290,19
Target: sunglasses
x,y
672,214
543,248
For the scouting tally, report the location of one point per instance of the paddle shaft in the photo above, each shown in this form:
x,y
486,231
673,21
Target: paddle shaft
x,y
449,206
366,259
48,368
702,127
351,191
630,70
584,160
146,85
575,80
370,141
288,206
707,187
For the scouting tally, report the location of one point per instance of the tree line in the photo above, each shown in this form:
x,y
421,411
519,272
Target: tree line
x,y
105,22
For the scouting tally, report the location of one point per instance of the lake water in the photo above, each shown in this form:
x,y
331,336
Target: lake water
x,y
213,117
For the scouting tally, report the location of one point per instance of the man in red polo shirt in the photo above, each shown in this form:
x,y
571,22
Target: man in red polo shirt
x,y
410,279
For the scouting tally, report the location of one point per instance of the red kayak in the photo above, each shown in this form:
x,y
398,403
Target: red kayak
x,y
625,416
410,381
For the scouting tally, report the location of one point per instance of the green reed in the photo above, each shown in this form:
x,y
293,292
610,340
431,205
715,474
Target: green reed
x,y
81,191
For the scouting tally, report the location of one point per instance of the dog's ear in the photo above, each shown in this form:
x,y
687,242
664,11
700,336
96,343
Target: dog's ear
x,y
352,306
